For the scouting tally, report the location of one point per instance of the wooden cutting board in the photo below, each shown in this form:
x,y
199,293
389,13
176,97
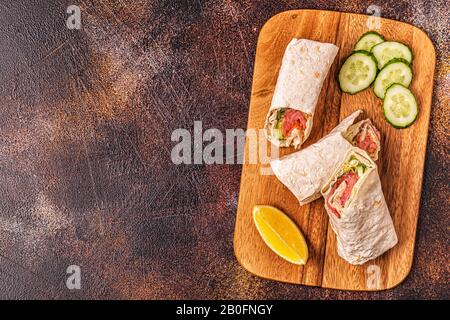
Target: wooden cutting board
x,y
400,165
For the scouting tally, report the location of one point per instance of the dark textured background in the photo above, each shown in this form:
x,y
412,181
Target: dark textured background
x,y
85,171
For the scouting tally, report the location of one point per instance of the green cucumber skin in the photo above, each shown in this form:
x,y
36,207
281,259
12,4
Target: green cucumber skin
x,y
411,52
391,62
280,117
367,53
400,127
371,32
365,34
409,49
398,60
415,118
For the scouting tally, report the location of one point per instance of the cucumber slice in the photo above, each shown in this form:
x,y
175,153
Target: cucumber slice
x,y
360,171
395,71
278,134
386,51
280,115
368,40
358,72
400,106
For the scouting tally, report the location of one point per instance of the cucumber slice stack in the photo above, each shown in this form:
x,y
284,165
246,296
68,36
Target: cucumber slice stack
x,y
392,61
400,106
358,72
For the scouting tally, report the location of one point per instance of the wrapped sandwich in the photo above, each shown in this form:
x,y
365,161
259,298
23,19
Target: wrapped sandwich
x,y
357,209
303,69
306,171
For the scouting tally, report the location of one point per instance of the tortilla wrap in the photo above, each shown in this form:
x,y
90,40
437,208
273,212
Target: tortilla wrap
x,y
364,228
305,172
304,66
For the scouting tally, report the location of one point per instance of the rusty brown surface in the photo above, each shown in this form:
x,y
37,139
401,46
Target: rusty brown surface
x,y
85,171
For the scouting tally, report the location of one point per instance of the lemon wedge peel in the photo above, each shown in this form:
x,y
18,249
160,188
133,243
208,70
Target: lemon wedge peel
x,y
294,254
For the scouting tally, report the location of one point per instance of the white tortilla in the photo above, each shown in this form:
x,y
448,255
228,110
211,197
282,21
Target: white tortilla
x,y
365,229
303,69
306,171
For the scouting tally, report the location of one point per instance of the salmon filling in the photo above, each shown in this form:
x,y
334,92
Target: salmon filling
x,y
341,191
293,119
342,187
367,138
288,125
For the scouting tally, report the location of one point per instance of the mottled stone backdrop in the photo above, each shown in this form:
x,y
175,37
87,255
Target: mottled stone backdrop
x,y
86,178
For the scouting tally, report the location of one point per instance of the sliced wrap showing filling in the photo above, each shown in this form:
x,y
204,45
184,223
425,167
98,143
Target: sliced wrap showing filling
x,y
365,136
343,185
303,69
288,126
357,209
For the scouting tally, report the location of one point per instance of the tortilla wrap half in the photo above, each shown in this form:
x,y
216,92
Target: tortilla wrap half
x,y
304,66
306,171
357,209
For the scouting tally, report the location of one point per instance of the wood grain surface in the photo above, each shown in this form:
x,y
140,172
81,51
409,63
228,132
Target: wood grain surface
x,y
400,165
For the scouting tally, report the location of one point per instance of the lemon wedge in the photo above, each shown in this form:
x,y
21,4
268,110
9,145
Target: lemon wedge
x,y
281,234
